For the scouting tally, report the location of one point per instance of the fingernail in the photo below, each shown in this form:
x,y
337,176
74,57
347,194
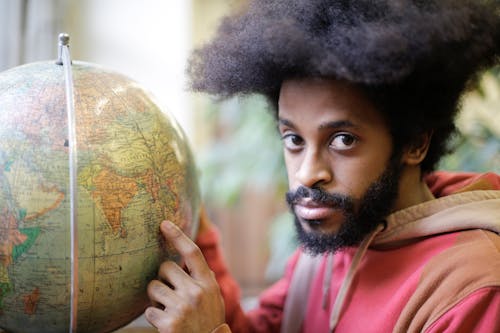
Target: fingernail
x,y
167,226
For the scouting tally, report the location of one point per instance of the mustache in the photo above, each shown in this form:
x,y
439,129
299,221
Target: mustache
x,y
320,196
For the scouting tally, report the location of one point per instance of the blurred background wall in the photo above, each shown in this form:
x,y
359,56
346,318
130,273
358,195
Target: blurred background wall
x,y
235,142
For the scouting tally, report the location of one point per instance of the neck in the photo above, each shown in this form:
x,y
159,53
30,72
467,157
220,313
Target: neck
x,y
412,189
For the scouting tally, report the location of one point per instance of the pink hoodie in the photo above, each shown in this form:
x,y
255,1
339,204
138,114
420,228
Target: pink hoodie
x,y
435,268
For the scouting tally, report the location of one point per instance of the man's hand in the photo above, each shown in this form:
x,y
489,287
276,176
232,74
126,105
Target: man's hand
x,y
184,302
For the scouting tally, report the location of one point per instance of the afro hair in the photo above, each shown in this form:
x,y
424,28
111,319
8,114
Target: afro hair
x,y
413,58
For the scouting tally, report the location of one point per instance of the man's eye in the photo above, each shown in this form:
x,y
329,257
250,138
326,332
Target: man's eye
x,y
343,141
292,141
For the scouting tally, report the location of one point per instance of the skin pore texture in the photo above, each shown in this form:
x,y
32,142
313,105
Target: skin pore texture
x,y
344,176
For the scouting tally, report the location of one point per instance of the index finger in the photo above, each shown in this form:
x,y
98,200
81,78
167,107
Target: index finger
x,y
189,251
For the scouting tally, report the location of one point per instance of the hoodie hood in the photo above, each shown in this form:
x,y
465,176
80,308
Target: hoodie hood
x,y
463,201
444,183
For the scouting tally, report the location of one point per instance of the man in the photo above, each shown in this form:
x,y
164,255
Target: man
x,y
365,93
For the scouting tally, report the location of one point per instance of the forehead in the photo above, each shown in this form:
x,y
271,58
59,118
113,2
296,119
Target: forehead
x,y
315,99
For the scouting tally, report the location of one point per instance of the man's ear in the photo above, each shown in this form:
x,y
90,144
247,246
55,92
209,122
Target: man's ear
x,y
416,153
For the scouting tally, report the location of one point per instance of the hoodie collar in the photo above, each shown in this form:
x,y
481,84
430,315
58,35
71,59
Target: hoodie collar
x,y
461,211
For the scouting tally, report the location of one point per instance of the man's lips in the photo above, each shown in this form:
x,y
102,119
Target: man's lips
x,y
308,210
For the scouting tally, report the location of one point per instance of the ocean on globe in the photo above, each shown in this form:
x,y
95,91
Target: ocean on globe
x,y
133,169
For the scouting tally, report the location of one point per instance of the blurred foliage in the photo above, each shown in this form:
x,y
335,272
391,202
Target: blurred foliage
x,y
477,148
247,153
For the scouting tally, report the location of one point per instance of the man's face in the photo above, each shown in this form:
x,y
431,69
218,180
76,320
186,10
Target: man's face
x,y
342,176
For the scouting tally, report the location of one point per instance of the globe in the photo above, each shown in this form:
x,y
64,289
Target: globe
x,y
133,168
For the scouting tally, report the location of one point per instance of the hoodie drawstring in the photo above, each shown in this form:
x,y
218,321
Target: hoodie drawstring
x,y
346,284
326,282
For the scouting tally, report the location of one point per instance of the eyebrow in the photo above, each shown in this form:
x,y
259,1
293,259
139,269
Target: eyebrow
x,y
285,122
328,125
337,124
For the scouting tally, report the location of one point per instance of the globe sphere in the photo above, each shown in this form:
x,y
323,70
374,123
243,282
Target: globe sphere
x,y
133,170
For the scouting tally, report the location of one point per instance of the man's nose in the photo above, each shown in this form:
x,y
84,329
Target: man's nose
x,y
314,170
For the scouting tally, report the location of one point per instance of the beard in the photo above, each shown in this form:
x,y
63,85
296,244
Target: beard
x,y
373,208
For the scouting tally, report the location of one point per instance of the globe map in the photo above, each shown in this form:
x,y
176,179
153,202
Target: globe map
x,y
134,169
